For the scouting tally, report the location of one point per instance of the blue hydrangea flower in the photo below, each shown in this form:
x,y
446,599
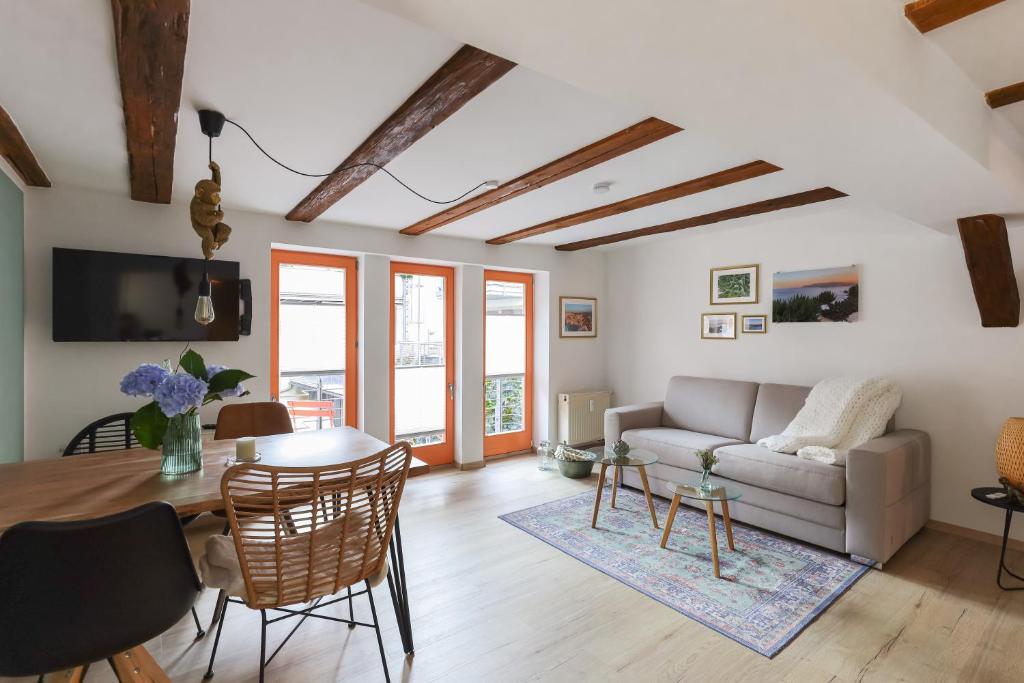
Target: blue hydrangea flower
x,y
212,370
144,380
180,393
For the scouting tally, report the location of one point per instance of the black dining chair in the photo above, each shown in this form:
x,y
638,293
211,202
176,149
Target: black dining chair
x,y
73,593
114,433
110,433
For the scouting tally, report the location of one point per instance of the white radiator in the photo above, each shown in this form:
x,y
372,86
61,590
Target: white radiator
x,y
581,416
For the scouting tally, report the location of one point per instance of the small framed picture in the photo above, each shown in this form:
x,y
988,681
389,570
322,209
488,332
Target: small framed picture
x,y
755,324
578,316
718,326
734,285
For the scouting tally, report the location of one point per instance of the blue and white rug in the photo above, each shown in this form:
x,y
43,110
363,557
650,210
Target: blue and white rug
x,y
771,587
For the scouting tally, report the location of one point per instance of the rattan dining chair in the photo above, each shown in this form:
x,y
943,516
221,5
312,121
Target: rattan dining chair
x,y
300,535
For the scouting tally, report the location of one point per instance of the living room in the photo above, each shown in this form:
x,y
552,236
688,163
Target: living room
x,y
684,334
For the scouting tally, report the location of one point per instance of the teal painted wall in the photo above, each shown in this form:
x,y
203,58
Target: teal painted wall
x,y
12,321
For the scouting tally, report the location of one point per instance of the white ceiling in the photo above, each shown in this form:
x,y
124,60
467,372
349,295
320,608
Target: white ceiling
x,y
311,79
989,47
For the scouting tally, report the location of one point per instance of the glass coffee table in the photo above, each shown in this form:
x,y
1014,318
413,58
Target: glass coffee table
x,y
637,458
720,491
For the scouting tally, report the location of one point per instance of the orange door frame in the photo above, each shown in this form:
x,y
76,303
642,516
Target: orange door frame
x,y
499,444
442,453
280,256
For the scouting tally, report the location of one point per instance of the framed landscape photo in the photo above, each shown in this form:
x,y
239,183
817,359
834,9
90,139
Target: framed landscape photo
x,y
734,285
755,324
823,295
718,326
578,315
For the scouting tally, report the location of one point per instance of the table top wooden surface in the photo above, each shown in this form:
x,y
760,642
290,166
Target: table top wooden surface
x,y
84,486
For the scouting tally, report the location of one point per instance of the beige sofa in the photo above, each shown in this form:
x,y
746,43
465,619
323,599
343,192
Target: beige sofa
x,y
867,509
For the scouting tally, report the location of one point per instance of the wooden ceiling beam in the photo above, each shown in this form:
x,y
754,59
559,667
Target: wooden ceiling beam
x,y
990,265
709,182
616,144
928,15
1004,96
150,37
18,154
467,74
789,201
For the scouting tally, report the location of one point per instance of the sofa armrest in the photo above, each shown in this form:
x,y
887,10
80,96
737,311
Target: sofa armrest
x,y
888,493
618,420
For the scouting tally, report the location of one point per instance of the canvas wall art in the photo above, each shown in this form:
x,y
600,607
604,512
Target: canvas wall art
x,y
578,316
812,296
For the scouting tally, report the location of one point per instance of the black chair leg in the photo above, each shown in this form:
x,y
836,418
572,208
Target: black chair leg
x,y
216,641
351,609
199,627
263,643
376,628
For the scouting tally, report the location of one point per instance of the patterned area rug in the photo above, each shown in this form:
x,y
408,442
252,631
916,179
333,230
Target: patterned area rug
x,y
771,587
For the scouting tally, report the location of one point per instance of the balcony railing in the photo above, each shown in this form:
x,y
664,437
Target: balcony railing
x,y
418,354
316,385
504,403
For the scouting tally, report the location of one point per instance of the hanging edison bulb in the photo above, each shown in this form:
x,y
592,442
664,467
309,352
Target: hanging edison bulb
x,y
204,304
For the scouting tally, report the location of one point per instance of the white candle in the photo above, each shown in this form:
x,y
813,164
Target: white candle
x,y
245,449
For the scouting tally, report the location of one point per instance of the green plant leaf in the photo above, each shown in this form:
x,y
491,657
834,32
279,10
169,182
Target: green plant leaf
x,y
149,424
227,379
192,363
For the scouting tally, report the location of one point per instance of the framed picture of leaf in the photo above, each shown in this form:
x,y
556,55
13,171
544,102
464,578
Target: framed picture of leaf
x,y
734,285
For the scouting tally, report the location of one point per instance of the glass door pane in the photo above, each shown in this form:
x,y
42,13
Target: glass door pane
x,y
422,368
508,325
314,338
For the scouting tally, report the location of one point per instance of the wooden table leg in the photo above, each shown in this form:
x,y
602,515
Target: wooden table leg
x,y
597,499
713,536
615,482
138,666
647,492
671,518
76,675
728,523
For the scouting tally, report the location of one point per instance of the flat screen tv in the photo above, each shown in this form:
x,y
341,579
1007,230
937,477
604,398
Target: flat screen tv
x,y
107,296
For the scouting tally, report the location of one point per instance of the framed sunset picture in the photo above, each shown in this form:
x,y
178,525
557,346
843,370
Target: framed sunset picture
x,y
824,295
578,315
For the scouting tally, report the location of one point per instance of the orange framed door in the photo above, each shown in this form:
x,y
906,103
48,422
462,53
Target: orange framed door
x,y
422,359
508,362
314,335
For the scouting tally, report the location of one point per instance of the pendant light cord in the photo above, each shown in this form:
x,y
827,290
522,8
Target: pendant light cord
x,y
346,168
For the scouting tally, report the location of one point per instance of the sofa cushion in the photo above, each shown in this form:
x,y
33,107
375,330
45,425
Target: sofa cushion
x,y
776,406
782,472
710,406
675,447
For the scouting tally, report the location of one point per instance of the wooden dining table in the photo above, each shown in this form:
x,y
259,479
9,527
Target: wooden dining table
x,y
98,484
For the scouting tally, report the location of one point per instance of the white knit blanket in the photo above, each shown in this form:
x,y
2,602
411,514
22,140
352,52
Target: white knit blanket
x,y
839,414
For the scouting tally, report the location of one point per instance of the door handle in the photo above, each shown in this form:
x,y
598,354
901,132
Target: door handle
x,y
451,391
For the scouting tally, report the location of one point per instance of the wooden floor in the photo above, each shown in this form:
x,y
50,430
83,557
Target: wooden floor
x,y
493,604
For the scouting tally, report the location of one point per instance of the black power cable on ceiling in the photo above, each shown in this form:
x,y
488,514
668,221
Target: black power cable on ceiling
x,y
349,168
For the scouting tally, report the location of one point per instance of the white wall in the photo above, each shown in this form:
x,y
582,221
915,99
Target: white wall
x,y
69,384
919,323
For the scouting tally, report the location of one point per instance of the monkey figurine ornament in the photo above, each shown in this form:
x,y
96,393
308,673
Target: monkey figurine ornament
x,y
206,214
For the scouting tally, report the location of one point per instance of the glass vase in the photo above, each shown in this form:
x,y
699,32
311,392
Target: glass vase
x,y
183,445
705,481
544,456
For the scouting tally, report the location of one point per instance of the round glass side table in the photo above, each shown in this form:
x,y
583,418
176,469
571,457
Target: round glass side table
x,y
719,491
637,458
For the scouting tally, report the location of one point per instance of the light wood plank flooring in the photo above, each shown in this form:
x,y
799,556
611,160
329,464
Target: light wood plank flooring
x,y
493,604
